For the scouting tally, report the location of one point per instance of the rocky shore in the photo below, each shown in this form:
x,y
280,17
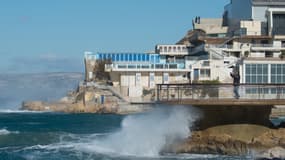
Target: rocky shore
x,y
243,139
258,141
87,99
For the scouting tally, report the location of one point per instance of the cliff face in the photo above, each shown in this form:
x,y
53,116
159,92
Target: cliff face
x,y
236,140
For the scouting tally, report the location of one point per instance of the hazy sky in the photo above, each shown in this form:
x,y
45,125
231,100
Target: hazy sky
x,y
52,35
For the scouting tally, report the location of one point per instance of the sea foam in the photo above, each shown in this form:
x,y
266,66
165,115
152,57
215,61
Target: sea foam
x,y
147,134
6,132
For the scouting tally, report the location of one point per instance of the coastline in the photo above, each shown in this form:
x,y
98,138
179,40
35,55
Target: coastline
x,y
89,98
236,139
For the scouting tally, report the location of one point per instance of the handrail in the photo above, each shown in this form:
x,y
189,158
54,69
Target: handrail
x,y
245,91
221,84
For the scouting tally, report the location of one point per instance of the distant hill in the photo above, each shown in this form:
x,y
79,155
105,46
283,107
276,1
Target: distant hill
x,y
15,88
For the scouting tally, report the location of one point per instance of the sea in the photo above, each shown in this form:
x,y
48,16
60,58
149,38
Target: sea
x,y
26,135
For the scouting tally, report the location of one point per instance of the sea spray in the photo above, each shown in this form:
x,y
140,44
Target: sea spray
x,y
6,132
147,134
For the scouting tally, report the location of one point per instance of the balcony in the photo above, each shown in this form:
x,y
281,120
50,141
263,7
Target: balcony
x,y
168,67
174,50
266,47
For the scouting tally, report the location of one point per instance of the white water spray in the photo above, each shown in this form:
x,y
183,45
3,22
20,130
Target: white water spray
x,y
147,134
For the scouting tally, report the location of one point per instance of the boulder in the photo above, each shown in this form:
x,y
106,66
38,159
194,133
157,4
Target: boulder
x,y
232,140
272,153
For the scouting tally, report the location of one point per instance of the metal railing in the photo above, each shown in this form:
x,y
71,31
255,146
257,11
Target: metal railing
x,y
158,66
180,92
263,45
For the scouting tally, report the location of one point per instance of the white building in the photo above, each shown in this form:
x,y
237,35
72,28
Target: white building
x,y
253,39
270,13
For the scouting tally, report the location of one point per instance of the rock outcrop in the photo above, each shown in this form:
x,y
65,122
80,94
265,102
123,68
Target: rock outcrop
x,y
273,153
235,140
70,107
88,99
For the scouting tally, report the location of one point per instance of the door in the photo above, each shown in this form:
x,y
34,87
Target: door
x,y
196,74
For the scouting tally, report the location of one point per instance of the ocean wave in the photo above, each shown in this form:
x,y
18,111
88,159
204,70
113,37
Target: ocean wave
x,y
6,132
20,111
72,147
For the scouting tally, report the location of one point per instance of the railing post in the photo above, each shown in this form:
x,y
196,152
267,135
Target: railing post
x,y
192,91
157,93
167,92
178,96
278,91
258,91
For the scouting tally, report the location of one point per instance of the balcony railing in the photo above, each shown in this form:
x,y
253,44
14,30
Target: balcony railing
x,y
180,92
219,46
263,45
169,66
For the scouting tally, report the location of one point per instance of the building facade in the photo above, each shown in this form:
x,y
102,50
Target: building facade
x,y
253,40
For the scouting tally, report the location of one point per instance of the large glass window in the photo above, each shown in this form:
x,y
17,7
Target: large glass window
x,y
130,57
143,57
152,58
277,73
147,57
126,57
256,73
113,57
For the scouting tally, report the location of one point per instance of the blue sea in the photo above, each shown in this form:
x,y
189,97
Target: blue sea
x,y
50,136
28,135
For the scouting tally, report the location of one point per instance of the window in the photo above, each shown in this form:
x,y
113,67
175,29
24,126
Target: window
x,y
277,73
143,57
206,63
126,57
152,58
268,54
147,57
113,57
256,73
165,49
205,73
130,57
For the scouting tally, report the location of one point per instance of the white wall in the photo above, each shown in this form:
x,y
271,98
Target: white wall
x,y
259,13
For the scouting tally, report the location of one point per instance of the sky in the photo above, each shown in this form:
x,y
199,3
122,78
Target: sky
x,y
52,35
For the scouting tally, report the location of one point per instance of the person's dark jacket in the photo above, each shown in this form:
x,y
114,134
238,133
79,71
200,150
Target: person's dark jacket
x,y
236,78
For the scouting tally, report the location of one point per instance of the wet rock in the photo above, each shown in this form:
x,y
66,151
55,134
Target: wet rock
x,y
272,153
233,140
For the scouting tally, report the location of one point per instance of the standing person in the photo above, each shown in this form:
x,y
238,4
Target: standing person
x,y
236,82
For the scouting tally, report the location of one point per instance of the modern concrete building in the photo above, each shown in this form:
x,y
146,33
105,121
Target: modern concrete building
x,y
253,39
263,64
270,13
133,72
